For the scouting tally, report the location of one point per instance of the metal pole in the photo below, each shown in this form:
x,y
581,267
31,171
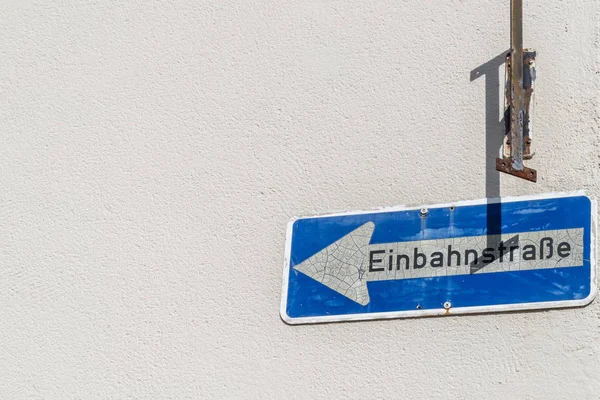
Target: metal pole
x,y
517,97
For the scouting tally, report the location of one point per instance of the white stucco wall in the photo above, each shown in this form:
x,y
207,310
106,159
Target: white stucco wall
x,y
152,153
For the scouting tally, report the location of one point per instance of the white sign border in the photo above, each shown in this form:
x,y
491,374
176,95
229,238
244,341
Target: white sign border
x,y
441,311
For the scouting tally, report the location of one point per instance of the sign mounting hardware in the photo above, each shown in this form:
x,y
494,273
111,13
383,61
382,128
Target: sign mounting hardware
x,y
521,75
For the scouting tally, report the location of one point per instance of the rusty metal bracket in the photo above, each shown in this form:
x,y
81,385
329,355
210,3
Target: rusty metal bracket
x,y
519,102
504,165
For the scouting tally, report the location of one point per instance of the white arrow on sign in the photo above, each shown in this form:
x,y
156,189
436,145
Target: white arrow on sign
x,y
348,264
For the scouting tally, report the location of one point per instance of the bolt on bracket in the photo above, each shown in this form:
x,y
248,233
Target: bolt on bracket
x,y
519,102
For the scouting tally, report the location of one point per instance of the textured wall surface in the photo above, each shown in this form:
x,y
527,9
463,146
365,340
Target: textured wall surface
x,y
152,153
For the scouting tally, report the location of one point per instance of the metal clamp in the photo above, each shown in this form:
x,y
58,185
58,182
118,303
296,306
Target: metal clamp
x,y
519,99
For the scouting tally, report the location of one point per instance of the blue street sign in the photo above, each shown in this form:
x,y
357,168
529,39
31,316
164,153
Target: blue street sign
x,y
468,257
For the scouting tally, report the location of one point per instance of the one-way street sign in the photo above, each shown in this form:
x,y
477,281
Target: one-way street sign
x,y
468,257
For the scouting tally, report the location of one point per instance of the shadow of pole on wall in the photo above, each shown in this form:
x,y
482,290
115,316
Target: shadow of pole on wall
x,y
495,128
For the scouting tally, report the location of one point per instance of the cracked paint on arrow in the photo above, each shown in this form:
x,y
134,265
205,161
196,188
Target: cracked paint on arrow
x,y
348,264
